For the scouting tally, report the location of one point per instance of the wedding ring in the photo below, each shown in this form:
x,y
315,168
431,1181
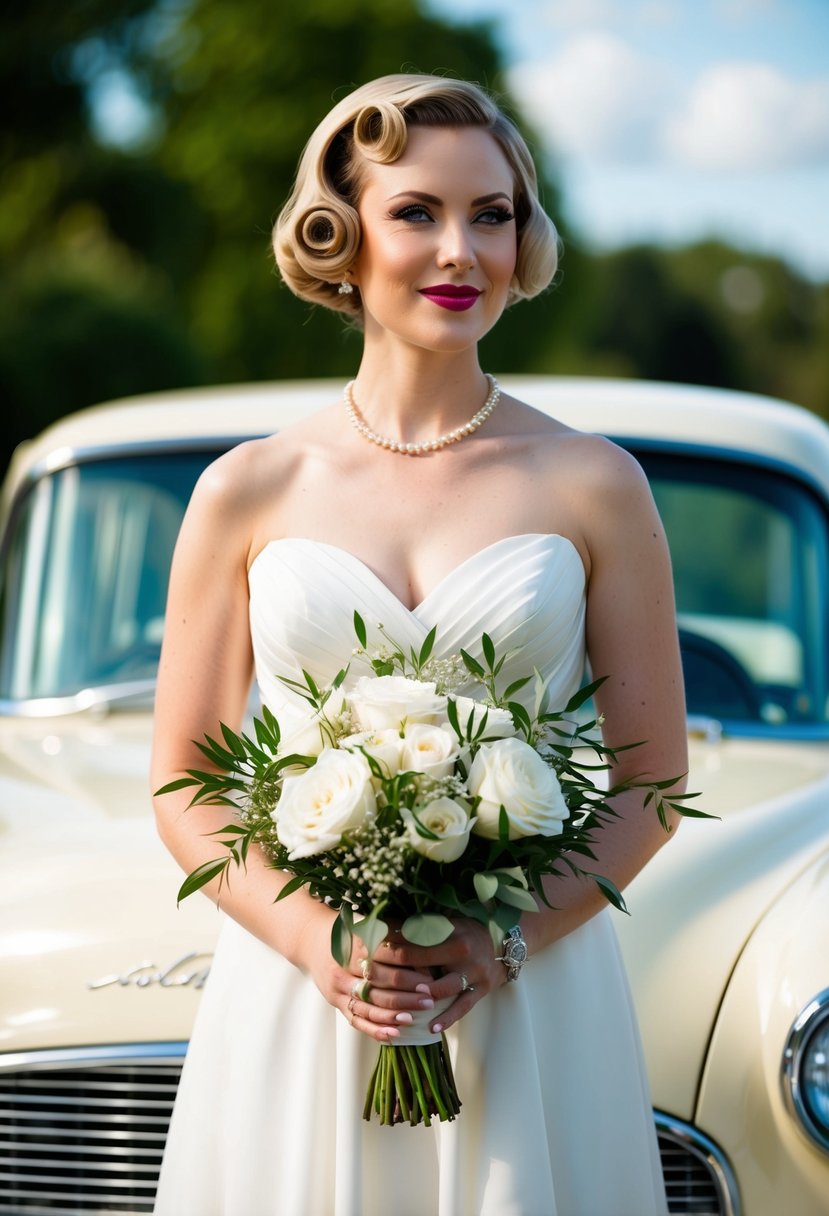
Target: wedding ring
x,y
465,985
350,1010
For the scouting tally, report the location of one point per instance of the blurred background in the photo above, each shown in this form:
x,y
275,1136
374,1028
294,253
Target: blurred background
x,y
147,146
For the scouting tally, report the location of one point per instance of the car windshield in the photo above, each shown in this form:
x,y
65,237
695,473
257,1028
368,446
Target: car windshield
x,y
84,574
86,561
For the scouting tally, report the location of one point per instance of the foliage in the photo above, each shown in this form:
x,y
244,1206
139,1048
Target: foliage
x,y
160,249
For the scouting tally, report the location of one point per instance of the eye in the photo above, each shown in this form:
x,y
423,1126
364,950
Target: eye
x,y
413,213
495,215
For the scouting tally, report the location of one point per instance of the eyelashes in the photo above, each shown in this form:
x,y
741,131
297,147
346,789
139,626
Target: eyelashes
x,y
417,213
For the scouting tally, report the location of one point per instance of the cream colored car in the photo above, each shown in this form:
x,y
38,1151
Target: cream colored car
x,y
728,942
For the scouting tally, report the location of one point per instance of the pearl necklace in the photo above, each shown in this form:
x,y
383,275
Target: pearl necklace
x,y
429,445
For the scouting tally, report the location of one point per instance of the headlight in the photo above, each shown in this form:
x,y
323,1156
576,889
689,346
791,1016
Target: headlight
x,y
806,1069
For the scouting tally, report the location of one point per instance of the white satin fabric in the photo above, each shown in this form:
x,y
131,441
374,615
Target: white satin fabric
x,y
556,1117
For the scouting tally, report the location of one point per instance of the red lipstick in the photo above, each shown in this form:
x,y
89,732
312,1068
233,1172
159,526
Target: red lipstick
x,y
446,295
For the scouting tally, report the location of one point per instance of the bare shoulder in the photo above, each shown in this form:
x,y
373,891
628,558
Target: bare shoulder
x,y
581,459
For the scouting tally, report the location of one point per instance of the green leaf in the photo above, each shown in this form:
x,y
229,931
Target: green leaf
x,y
428,643
609,889
584,694
515,687
473,665
516,897
360,629
489,650
452,715
233,741
293,884
486,886
342,936
371,932
427,929
181,784
201,876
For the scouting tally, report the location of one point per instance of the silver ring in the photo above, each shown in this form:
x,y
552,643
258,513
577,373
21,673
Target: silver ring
x,y
465,985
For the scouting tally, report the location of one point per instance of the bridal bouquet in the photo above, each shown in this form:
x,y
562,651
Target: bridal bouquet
x,y
425,792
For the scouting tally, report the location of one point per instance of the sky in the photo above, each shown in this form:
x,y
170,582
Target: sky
x,y
676,120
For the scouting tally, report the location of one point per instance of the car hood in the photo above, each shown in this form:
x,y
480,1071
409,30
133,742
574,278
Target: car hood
x,y
696,905
89,930
93,949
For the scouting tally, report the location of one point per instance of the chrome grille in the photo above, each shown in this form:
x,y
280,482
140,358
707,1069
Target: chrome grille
x,y
84,1131
698,1178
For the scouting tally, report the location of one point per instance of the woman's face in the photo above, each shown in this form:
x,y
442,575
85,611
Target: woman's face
x,y
439,241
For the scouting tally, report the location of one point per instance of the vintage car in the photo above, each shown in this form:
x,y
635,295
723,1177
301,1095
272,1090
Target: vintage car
x,y
728,941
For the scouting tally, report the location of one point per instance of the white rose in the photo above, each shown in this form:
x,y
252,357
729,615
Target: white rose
x,y
499,723
314,733
445,818
319,805
511,774
385,702
384,746
429,749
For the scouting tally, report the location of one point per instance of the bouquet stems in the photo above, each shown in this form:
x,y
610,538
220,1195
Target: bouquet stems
x,y
411,1084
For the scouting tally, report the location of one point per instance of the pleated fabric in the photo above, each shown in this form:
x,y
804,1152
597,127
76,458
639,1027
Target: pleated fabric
x,y
556,1117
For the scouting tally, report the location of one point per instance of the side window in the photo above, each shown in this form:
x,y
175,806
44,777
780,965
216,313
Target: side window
x,y
749,551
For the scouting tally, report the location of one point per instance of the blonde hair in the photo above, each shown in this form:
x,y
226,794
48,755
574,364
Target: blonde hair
x,y
317,235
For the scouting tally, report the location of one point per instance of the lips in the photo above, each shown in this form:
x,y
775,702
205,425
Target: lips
x,y
447,295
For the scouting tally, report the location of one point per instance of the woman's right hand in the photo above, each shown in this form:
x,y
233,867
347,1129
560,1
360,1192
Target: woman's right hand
x,y
391,993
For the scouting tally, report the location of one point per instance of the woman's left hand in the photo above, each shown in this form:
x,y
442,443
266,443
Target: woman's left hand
x,y
464,966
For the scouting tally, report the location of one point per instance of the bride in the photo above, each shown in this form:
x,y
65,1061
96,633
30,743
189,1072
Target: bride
x,y
424,497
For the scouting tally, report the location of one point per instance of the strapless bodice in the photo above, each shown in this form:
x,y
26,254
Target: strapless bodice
x,y
527,592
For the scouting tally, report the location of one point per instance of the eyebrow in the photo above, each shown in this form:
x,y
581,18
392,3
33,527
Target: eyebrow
x,y
432,198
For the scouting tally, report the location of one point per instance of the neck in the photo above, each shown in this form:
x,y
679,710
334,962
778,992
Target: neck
x,y
419,395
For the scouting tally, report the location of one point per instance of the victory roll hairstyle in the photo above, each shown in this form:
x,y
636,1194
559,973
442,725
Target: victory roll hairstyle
x,y
317,235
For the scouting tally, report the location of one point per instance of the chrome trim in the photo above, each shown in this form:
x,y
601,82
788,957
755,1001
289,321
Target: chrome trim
x,y
810,1019
101,699
710,1154
79,1057
64,457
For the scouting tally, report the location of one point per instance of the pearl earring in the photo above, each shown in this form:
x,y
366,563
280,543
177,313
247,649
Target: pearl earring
x,y
345,288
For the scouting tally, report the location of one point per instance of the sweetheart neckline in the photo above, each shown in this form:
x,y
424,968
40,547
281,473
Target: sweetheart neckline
x,y
467,561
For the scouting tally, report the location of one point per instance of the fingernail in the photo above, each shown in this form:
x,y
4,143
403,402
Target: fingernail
x,y
423,988
429,1004
405,1018
391,1031
437,1028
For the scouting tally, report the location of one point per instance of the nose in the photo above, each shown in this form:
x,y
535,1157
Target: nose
x,y
456,247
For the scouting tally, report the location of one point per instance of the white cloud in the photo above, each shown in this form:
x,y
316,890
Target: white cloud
x,y
598,98
748,116
595,97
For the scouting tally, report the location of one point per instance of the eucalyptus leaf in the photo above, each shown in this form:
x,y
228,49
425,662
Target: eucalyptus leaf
x,y
486,886
517,897
371,932
360,629
427,929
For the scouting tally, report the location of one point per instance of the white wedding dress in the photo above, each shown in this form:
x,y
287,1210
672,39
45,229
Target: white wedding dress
x,y
556,1117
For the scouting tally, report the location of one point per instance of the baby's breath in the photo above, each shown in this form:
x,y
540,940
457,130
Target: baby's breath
x,y
374,861
449,675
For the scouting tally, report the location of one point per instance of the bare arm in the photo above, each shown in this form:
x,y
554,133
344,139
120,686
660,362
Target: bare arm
x,y
204,679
